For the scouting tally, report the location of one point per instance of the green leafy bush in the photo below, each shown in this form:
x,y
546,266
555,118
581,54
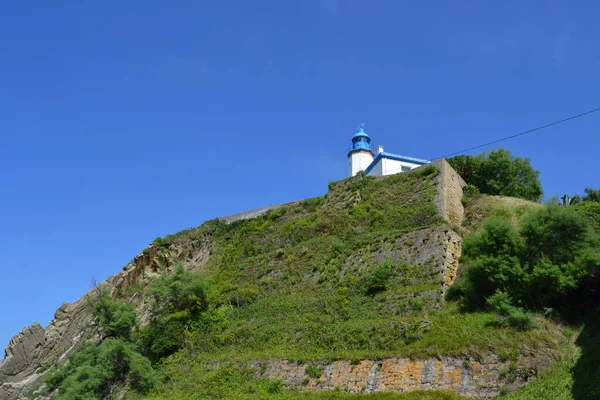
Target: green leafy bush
x,y
537,267
115,317
509,314
94,369
177,302
380,277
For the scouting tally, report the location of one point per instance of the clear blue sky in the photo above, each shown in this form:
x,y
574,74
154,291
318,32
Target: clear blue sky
x,y
124,121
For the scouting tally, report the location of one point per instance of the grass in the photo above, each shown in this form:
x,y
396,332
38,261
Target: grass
x,y
483,206
576,376
287,328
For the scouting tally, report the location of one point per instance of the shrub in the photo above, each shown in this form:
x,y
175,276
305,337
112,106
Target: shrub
x,y
314,371
537,267
591,212
509,314
379,278
93,370
160,242
276,213
177,302
115,317
312,203
469,191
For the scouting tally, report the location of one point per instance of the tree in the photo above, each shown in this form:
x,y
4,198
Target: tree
x,y
592,195
500,173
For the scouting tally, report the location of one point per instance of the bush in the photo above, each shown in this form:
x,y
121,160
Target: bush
x,y
93,371
312,203
177,302
509,314
538,267
469,191
115,317
379,278
500,173
313,371
276,213
591,212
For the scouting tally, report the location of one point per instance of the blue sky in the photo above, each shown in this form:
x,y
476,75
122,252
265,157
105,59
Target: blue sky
x,y
124,121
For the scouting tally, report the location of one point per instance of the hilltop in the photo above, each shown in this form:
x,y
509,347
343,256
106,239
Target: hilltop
x,y
341,292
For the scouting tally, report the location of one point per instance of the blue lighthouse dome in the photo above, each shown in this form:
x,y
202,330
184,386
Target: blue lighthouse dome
x,y
361,139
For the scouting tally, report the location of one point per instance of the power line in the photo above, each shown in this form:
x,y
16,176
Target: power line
x,y
520,134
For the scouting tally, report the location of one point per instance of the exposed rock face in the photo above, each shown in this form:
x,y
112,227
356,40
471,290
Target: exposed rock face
x,y
35,348
19,356
472,378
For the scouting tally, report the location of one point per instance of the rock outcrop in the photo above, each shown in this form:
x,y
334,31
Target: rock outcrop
x,y
32,352
484,378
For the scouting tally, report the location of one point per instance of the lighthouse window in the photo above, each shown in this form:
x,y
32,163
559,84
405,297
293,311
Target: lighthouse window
x,y
404,169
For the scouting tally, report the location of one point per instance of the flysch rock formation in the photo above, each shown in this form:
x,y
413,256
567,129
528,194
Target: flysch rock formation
x,y
30,353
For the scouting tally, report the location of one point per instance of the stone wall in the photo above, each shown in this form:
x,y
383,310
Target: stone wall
x,y
449,194
448,197
484,378
251,214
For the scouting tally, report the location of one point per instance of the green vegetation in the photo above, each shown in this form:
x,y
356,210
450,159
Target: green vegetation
x,y
591,211
574,378
115,318
94,369
177,304
538,267
314,371
500,173
592,195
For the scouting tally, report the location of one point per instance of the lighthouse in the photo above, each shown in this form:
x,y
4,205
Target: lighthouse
x,y
360,155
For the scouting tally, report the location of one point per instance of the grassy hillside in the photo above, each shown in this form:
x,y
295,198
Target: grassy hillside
x,y
329,277
334,278
355,274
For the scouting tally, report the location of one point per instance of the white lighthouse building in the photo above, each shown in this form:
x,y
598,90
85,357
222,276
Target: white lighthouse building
x,y
362,158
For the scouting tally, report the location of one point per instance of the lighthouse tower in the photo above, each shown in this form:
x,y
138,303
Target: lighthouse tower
x,y
360,155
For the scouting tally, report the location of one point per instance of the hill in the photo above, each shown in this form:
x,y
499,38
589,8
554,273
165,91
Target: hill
x,y
342,292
